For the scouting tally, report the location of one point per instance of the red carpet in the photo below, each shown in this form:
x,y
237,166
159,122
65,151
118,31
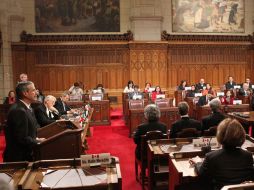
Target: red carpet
x,y
113,139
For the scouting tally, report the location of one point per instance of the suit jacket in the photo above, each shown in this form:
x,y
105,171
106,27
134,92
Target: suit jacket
x,y
143,129
20,133
191,93
227,167
202,101
200,87
243,93
42,116
183,123
59,105
212,120
230,86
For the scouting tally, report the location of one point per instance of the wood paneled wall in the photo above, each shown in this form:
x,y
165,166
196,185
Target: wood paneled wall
x,y
55,62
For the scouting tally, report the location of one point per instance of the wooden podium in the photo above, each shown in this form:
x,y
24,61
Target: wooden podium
x,y
63,140
101,113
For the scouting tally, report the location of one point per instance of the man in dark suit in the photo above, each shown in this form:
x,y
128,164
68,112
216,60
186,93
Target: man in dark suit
x,y
245,90
215,118
21,129
152,114
61,105
185,122
46,113
230,84
201,85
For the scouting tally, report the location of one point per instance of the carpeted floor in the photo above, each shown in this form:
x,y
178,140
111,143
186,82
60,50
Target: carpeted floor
x,y
113,139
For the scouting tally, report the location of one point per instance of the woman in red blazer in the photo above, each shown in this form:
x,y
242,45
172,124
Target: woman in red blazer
x,y
228,99
155,92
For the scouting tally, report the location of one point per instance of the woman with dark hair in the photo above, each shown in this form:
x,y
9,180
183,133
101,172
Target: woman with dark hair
x,y
100,87
147,87
156,92
182,85
191,93
228,99
11,99
129,87
231,164
208,90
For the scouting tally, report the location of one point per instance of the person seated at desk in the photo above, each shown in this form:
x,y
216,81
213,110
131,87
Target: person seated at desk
x,y
136,95
147,87
230,84
99,88
156,92
11,99
245,90
182,85
215,118
46,113
152,115
229,165
247,80
75,90
228,99
204,100
129,87
61,105
191,93
40,96
185,121
208,90
201,85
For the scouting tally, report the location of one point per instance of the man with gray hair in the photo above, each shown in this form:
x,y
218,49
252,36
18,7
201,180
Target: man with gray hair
x,y
46,113
215,117
152,115
185,121
21,129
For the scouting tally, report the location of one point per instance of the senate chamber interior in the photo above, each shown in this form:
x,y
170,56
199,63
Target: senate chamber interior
x,y
127,94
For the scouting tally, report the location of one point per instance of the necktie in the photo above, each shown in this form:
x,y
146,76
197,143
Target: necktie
x,y
64,106
50,115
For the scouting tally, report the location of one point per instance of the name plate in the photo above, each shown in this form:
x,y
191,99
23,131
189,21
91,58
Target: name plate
x,y
206,142
160,96
198,94
187,88
237,86
237,102
96,98
220,93
95,159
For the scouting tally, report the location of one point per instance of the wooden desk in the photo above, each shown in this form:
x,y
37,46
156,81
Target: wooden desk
x,y
69,175
63,140
163,151
76,104
179,96
168,116
13,172
203,111
189,101
101,113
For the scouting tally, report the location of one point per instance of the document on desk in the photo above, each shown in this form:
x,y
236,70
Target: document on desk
x,y
73,178
5,177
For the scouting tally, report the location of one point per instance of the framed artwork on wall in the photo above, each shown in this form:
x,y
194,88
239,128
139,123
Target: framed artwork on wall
x,y
208,16
57,16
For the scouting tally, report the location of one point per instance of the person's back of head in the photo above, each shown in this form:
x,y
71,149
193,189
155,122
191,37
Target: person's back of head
x,y
152,112
183,108
230,133
215,104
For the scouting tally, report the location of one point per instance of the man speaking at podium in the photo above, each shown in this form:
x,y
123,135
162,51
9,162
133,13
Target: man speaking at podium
x,y
21,129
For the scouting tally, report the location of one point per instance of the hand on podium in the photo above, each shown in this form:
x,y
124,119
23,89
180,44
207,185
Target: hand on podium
x,y
195,160
40,139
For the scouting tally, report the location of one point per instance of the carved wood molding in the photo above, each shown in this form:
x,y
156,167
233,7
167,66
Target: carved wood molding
x,y
206,38
25,37
148,46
